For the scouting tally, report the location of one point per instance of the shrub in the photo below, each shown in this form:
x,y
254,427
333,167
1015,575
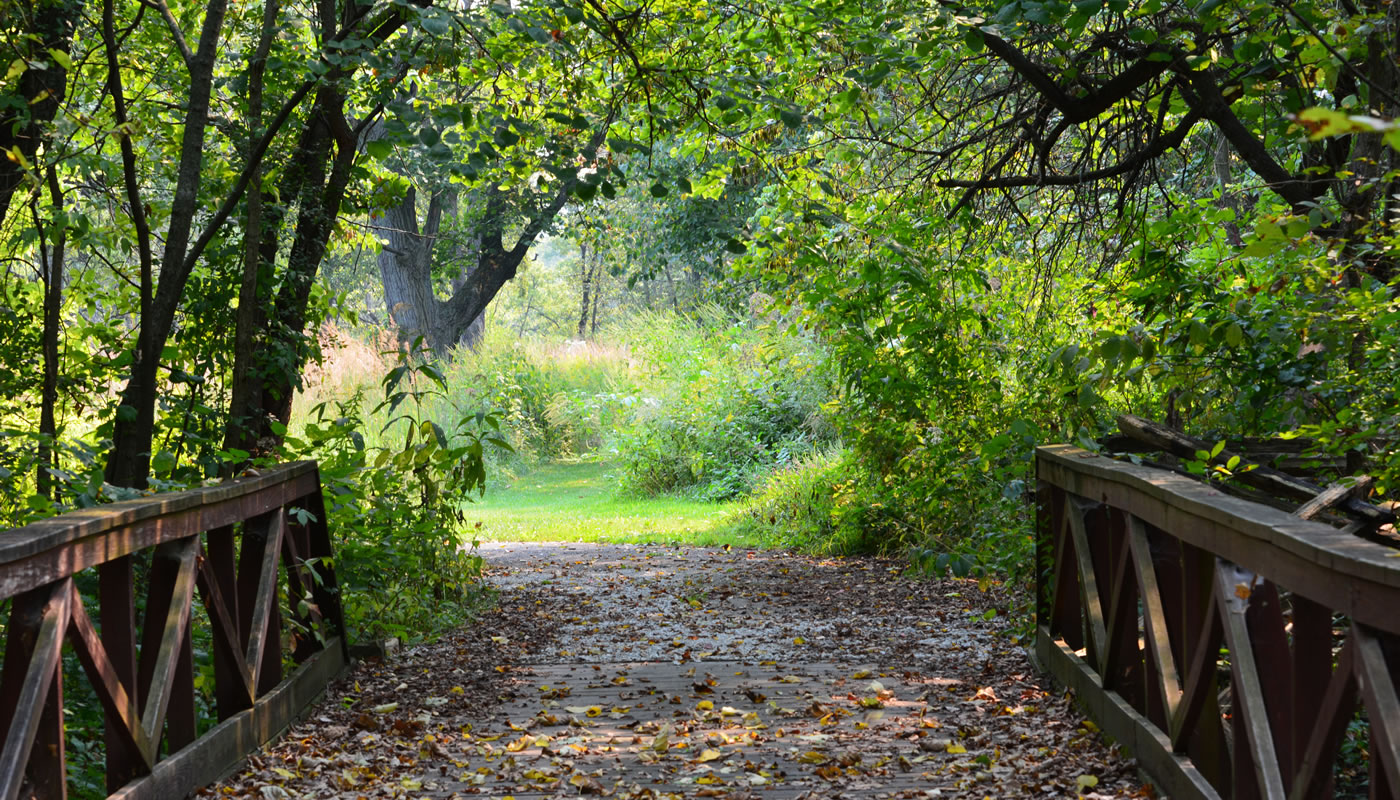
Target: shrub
x,y
734,402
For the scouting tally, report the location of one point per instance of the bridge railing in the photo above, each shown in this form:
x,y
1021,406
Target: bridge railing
x,y
254,552
1227,644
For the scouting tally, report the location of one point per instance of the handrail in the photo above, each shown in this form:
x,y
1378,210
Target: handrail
x,y
228,544
1157,591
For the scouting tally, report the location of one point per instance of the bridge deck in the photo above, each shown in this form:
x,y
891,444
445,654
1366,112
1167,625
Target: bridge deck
x,y
649,672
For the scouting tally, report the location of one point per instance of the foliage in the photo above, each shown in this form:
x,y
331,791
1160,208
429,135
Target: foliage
x,y
396,507
739,399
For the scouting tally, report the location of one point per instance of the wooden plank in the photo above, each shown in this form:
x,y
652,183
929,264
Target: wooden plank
x,y
262,544
1166,678
1200,676
38,621
1351,575
1122,659
283,484
1247,692
1065,598
174,627
117,615
224,746
1173,773
1333,495
47,771
233,688
1269,643
1375,681
122,715
1313,780
41,566
1088,581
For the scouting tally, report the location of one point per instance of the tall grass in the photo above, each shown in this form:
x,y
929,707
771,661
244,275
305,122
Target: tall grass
x,y
706,403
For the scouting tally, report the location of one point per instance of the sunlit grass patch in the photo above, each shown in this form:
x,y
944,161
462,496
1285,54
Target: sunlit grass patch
x,y
578,502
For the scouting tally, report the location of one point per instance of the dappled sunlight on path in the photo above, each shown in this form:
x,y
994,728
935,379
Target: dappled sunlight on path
x,y
661,672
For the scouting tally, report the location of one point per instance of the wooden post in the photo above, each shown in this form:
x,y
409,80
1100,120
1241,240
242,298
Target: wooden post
x,y
117,615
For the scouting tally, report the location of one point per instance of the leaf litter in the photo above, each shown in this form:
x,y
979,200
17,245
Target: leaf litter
x,y
652,672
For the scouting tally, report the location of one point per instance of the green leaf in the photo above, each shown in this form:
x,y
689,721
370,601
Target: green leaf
x,y
1234,334
379,149
1219,446
428,136
162,462
505,137
61,58
790,118
724,102
434,24
736,247
659,190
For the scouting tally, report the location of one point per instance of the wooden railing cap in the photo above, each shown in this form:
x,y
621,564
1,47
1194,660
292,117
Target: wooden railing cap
x,y
36,537
1330,549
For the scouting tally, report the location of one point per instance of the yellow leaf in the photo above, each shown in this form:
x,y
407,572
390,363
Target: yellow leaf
x,y
813,757
799,640
594,711
286,773
521,743
411,784
385,709
705,705
955,748
709,754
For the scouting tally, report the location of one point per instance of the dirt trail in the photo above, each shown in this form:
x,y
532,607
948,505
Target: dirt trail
x,y
656,672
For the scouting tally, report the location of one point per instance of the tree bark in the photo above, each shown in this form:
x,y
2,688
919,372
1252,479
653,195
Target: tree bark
x,y
406,267
51,22
52,262
130,459
239,429
585,277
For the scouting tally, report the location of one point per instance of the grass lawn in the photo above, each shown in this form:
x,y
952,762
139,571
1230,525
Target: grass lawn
x,y
577,502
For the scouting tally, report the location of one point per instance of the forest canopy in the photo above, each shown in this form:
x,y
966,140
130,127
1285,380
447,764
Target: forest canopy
x,y
1003,222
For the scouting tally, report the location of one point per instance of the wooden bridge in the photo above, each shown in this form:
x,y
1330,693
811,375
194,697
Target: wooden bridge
x,y
1226,643
231,542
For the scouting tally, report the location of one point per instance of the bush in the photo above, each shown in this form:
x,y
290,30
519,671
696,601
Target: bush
x,y
394,503
734,402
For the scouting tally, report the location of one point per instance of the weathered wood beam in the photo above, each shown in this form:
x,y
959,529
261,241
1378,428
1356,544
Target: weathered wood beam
x,y
1259,476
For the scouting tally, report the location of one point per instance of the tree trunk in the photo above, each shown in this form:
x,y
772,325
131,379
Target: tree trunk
x,y
240,428
585,278
50,23
52,261
597,295
406,267
132,431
